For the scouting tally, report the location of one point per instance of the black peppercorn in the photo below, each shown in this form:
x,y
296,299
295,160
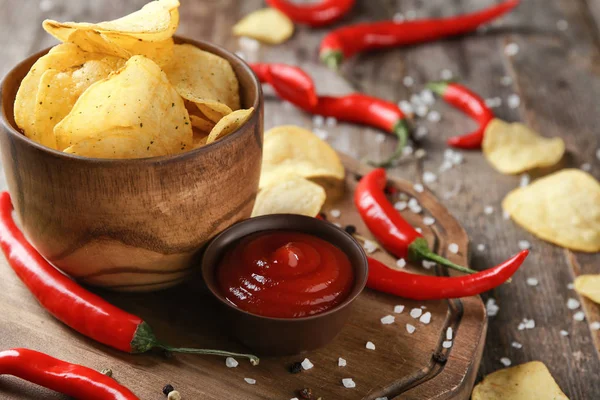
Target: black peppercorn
x,y
351,229
306,393
168,388
296,368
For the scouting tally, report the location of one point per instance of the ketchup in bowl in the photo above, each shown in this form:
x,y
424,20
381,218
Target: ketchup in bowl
x,y
285,274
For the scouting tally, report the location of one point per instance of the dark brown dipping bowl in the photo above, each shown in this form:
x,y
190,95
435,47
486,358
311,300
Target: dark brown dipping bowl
x,y
132,225
285,336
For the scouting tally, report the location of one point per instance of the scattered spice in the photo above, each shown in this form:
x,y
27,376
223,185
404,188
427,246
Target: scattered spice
x,y
168,388
351,229
305,393
296,367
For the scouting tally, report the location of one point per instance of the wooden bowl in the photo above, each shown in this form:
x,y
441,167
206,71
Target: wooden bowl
x,y
131,225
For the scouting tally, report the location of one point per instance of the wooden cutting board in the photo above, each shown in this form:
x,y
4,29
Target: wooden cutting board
x,y
403,365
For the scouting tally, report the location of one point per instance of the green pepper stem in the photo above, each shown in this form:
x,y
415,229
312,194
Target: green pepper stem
x,y
254,360
438,87
333,59
401,131
419,250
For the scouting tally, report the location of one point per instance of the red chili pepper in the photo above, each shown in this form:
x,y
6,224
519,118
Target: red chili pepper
x,y
469,103
317,14
289,82
71,379
81,310
387,225
423,287
348,40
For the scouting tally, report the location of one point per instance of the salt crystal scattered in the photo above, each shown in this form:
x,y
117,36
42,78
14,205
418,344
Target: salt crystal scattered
x,y
407,150
250,381
429,221
321,133
408,81
453,248
398,17
562,25
595,326
505,361
532,281
506,80
294,398
447,344
420,153
418,187
46,5
388,319
411,14
423,307
421,132
348,383
524,181
416,312
401,263
421,110
505,215
587,167
514,101
511,49
524,245
318,121
370,246
516,345
306,364
231,362
419,230
434,116
406,107
481,247
398,309
400,205
521,326
488,210
445,166
414,206
240,55
449,333
571,286
380,138
428,264
491,307
410,328
572,304
425,318
416,100
335,213
529,323
446,74
564,333
249,44
341,362
493,102
579,316
429,177
427,97
370,346
330,121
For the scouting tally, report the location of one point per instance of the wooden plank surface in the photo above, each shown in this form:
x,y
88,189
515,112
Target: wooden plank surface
x,y
557,76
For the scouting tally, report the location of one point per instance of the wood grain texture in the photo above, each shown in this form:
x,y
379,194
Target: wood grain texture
x,y
556,73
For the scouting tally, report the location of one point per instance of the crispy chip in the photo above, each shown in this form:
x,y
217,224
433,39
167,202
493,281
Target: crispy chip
x,y
512,148
59,90
118,143
295,195
228,124
137,101
201,124
267,25
527,381
290,149
213,112
205,79
199,139
588,286
562,208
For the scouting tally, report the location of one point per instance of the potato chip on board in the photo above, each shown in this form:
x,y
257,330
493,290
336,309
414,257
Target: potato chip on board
x,y
293,195
513,148
589,286
290,150
267,25
228,124
562,208
527,381
139,98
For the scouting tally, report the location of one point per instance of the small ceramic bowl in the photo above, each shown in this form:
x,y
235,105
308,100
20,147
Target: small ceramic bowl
x,y
131,225
285,336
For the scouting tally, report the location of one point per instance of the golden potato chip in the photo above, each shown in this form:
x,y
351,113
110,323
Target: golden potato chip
x,y
137,99
512,148
588,286
213,112
118,143
527,381
267,25
156,21
290,149
228,124
59,90
295,195
562,208
201,124
199,139
205,79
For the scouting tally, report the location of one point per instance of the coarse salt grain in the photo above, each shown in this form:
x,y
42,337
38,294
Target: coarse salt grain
x,y
405,107
425,318
306,364
414,206
321,133
524,181
511,49
449,333
524,245
415,99
434,116
410,328
595,326
400,205
46,5
505,215
348,383
505,361
481,247
420,153
421,132
573,304
513,101
407,150
564,333
516,345
411,14
398,17
330,121
562,25
579,316
429,177
370,246
380,138
341,362
570,285
401,263
418,188
398,309
587,167
446,74
421,110
408,81
249,44
370,345
416,312
427,97
428,264
318,121
250,381
453,248
388,320
506,80
532,281
335,213
294,398
488,210
231,362
491,307
429,221
419,230
493,102
529,323
447,344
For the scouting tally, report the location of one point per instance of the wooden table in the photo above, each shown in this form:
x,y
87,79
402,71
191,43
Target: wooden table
x,y
556,73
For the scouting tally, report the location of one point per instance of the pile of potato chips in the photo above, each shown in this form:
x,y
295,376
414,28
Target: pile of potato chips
x,y
296,167
124,89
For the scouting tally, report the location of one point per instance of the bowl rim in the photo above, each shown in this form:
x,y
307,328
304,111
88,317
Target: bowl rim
x,y
361,265
203,45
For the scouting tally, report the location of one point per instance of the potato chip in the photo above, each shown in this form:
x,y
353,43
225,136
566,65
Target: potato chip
x,y
267,25
205,79
59,90
125,143
139,100
199,139
562,208
295,195
213,113
156,21
527,381
290,149
201,124
228,124
588,286
513,148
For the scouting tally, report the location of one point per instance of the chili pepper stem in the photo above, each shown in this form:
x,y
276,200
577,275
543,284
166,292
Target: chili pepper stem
x,y
419,250
401,131
333,59
438,87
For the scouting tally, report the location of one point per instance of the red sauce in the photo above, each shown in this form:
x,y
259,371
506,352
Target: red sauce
x,y
285,274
